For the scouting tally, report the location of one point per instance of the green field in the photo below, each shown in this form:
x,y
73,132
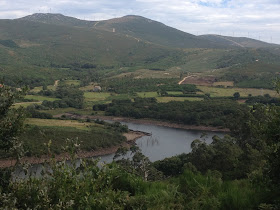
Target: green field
x,y
60,123
25,104
220,92
168,99
86,111
71,82
40,98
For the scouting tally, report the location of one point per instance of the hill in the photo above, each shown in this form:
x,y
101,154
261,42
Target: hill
x,y
57,19
155,32
136,27
241,42
28,47
42,48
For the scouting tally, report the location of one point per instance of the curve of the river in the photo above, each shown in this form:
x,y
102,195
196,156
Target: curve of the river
x,y
164,142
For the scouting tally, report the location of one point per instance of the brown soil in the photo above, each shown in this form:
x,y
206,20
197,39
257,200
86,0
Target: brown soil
x,y
131,136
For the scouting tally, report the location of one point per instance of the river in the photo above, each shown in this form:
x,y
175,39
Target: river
x,y
163,142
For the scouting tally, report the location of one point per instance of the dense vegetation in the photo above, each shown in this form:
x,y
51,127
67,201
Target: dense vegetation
x,y
129,84
239,172
69,95
35,137
207,112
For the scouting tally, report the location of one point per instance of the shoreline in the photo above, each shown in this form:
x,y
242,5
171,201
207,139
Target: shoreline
x,y
131,136
147,122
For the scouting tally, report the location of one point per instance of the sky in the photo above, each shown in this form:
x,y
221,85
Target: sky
x,y
257,19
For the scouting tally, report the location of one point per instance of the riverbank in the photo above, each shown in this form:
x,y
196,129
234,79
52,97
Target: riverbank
x,y
146,122
131,137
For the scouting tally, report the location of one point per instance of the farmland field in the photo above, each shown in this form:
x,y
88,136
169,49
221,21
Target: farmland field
x,y
40,98
220,92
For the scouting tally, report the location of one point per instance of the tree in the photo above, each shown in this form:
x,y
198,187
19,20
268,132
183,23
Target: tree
x,y
11,119
236,95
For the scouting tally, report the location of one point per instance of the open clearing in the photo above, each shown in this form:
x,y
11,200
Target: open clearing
x,y
92,96
59,123
40,98
220,92
168,99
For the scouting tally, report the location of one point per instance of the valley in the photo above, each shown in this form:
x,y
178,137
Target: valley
x,y
144,96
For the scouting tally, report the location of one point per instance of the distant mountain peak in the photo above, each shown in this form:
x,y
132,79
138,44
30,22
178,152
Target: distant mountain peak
x,y
57,18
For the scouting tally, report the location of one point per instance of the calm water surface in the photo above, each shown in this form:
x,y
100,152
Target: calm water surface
x,y
163,142
166,142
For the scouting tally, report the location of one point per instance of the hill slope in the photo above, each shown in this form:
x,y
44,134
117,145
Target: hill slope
x,y
155,32
30,46
57,19
137,27
241,42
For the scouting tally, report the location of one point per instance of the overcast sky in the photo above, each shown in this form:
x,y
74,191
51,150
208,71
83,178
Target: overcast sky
x,y
258,19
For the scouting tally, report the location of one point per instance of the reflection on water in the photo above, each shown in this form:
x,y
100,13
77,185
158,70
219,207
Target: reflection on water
x,y
166,142
163,142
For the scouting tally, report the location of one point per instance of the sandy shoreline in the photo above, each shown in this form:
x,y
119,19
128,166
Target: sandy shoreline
x,y
131,136
148,122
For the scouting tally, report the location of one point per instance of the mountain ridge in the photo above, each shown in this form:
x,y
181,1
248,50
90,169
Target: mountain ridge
x,y
152,31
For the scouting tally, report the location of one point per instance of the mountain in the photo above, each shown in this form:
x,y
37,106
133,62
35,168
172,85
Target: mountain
x,y
155,32
150,31
57,19
241,42
47,47
136,27
41,50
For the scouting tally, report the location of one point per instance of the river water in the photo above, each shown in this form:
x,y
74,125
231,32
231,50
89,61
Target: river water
x,y
163,142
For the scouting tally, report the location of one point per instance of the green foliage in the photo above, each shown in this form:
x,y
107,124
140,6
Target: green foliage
x,y
263,100
126,85
223,155
11,119
70,96
208,112
8,43
95,138
236,95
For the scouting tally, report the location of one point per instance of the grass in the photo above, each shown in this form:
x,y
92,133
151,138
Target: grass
x,y
40,98
225,84
94,97
25,104
168,99
147,94
220,92
147,73
36,89
87,88
86,111
59,123
71,82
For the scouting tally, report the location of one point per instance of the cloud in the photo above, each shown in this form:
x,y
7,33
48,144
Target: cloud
x,y
228,17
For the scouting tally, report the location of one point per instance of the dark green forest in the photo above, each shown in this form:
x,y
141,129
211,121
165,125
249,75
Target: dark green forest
x,y
208,112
